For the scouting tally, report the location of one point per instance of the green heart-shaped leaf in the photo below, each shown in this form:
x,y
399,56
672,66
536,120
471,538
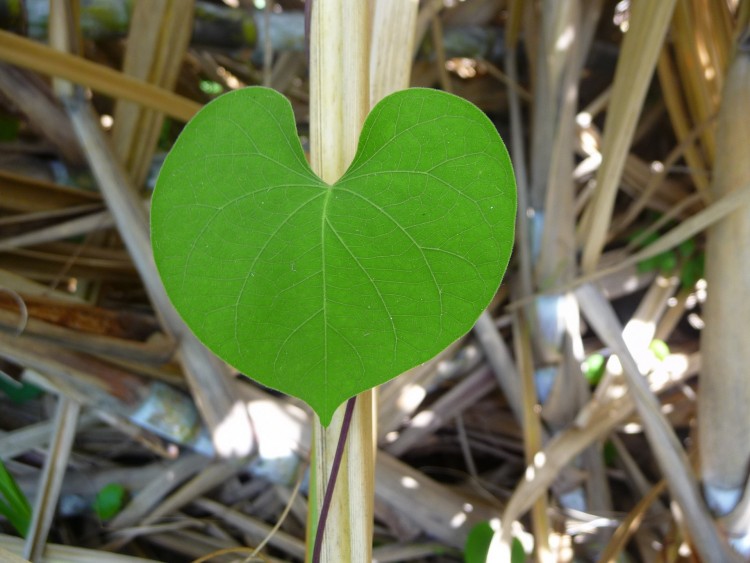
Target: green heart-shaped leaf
x,y
325,291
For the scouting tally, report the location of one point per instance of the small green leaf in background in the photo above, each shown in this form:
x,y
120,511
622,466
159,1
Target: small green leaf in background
x,y
13,503
109,501
517,552
593,368
693,269
9,128
664,263
323,291
610,453
686,255
478,543
211,87
659,349
165,138
686,248
18,391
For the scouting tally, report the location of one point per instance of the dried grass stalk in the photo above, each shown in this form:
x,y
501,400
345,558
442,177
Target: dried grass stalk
x,y
532,430
35,56
672,91
66,418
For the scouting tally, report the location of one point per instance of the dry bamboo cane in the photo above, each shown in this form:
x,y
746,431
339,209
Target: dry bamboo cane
x,y
339,102
723,416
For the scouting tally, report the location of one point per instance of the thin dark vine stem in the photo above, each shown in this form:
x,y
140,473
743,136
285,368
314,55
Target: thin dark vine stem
x,y
328,497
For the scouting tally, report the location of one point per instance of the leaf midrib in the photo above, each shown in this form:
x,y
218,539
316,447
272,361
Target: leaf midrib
x,y
323,220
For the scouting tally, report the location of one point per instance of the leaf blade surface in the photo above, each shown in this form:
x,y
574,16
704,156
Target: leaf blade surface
x,y
324,291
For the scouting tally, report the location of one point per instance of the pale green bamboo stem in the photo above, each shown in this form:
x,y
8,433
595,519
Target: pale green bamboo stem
x,y
339,102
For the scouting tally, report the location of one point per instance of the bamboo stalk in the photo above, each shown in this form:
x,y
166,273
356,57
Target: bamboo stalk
x,y
558,245
339,102
555,337
552,336
724,419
